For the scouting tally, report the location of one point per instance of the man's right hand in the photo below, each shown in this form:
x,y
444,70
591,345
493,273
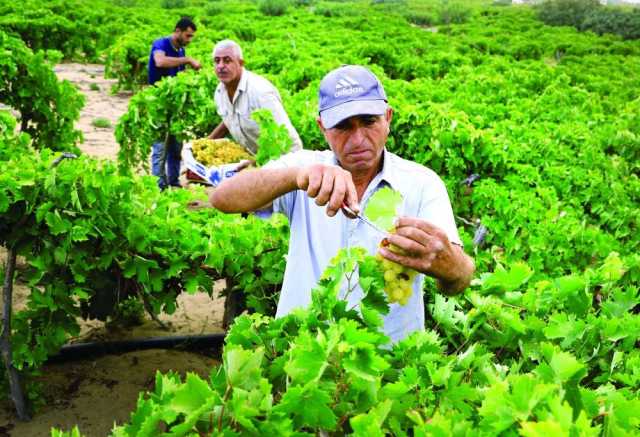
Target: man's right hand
x,y
329,185
194,64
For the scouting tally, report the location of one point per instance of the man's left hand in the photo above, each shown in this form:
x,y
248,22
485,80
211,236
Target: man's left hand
x,y
428,250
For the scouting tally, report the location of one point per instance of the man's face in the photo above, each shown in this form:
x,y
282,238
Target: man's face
x,y
228,66
358,141
184,37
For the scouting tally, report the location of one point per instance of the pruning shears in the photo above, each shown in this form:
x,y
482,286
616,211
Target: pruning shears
x,y
354,215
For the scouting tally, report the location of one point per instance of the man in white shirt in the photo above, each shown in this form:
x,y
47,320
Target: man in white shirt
x,y
311,187
239,93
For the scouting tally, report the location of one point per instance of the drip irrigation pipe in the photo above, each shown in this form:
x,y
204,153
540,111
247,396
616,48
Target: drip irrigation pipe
x,y
79,351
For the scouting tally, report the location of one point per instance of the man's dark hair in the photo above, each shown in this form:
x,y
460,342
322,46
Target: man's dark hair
x,y
184,23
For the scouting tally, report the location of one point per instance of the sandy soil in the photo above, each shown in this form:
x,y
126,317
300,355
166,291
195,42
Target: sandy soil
x,y
96,393
100,103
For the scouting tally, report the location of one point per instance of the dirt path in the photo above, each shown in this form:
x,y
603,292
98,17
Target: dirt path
x,y
100,104
96,393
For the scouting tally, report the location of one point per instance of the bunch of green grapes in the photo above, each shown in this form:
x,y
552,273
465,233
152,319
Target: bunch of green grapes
x,y
218,152
398,279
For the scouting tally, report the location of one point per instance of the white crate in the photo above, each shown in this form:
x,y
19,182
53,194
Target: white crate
x,y
211,175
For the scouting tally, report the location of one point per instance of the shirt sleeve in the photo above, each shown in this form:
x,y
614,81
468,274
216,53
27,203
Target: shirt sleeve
x,y
272,102
436,209
158,45
285,203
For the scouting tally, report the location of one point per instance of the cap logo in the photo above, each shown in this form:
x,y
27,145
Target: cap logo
x,y
346,86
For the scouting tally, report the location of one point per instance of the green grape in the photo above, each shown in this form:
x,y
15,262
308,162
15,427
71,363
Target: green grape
x,y
217,152
398,279
389,276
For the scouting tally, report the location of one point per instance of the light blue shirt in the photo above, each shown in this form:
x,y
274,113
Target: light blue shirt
x,y
316,238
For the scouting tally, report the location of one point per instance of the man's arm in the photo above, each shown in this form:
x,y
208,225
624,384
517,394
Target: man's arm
x,y
164,61
464,268
253,189
428,250
220,131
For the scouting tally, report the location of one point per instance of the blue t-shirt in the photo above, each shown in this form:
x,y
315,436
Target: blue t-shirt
x,y
157,73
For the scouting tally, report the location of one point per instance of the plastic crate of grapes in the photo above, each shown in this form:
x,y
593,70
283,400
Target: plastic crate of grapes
x,y
213,160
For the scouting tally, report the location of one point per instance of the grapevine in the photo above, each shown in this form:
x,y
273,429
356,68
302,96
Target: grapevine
x,y
398,279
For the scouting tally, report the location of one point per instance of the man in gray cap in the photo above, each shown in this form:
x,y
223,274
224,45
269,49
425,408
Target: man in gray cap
x,y
311,187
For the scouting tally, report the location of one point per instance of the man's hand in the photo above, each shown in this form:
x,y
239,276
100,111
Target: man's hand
x,y
246,163
194,64
427,249
329,185
195,205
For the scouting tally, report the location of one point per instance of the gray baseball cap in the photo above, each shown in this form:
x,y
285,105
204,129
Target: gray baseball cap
x,y
347,91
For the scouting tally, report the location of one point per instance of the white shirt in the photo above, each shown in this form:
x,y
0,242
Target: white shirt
x,y
254,92
316,238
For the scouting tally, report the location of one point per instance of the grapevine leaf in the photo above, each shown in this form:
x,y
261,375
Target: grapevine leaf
x,y
316,411
242,367
370,424
383,206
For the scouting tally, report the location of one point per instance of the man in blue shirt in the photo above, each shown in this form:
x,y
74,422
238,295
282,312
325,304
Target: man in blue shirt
x,y
168,58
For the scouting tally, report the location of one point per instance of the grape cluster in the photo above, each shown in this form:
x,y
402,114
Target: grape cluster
x,y
217,152
398,279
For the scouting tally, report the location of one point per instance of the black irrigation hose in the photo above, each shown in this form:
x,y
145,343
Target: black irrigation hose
x,y
79,351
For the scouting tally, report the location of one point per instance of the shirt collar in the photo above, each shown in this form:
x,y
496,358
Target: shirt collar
x,y
389,173
242,85
177,49
244,77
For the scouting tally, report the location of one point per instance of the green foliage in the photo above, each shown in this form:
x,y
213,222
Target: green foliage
x,y
213,9
48,107
334,361
11,143
590,15
129,312
94,87
274,139
566,12
453,12
421,18
75,432
613,20
101,122
92,238
127,59
125,3
328,9
273,8
71,27
173,4
181,105
78,29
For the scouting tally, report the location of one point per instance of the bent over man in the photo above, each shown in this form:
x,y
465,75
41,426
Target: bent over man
x,y
311,187
239,93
